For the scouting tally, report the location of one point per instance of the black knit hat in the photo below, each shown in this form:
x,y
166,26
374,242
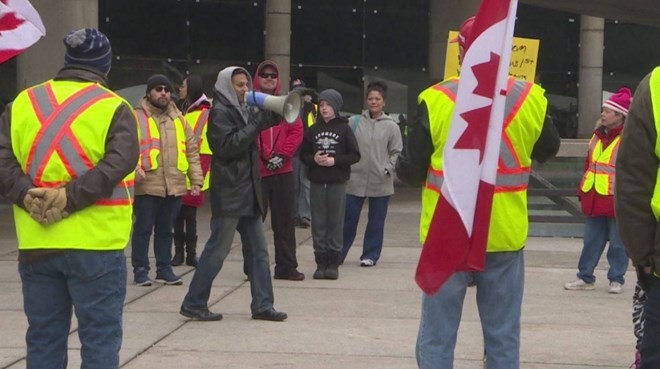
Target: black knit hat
x,y
90,47
158,80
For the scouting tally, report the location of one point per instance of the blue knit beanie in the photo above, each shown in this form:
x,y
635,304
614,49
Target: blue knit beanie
x,y
90,47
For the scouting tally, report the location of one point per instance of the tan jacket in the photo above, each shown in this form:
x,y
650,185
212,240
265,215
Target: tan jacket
x,y
167,180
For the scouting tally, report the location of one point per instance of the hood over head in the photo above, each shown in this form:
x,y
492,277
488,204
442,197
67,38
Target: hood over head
x,y
256,85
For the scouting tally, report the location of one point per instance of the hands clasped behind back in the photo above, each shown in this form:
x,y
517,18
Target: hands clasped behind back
x,y
46,205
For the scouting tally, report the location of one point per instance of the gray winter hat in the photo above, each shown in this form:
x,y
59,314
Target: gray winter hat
x,y
333,97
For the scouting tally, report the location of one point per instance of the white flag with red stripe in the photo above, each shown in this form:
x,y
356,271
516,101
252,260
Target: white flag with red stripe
x,y
20,27
458,234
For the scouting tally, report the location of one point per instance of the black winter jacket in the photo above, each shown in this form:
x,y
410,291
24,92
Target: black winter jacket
x,y
335,138
235,182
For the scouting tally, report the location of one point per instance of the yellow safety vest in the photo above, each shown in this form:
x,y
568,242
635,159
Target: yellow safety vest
x,y
654,86
199,120
311,116
524,118
600,173
150,142
58,133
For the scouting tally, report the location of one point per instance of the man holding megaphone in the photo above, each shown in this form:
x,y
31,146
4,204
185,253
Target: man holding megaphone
x,y
236,198
277,145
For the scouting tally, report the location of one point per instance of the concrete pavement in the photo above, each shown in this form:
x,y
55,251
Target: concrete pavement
x,y
366,319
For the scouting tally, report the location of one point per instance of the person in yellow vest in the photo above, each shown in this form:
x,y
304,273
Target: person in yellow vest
x,y
637,205
68,151
596,194
196,107
169,156
528,134
301,184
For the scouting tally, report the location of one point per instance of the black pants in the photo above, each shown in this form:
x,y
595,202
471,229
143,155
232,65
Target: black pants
x,y
278,195
185,226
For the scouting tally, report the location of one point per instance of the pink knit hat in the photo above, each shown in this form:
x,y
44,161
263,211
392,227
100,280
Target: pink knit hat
x,y
620,101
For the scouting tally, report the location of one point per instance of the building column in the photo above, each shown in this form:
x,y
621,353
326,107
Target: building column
x,y
278,38
42,61
590,88
444,16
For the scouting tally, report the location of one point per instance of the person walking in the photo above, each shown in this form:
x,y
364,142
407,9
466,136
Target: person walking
x,y
379,140
185,226
169,155
329,149
68,152
637,204
236,203
597,198
529,134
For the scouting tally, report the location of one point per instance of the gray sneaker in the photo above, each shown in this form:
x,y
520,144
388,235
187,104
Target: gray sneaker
x,y
579,285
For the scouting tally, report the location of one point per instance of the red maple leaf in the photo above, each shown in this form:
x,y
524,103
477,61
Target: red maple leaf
x,y
474,136
486,76
9,21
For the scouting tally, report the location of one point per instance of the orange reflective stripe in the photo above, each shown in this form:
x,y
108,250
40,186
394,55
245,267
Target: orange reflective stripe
x,y
122,194
55,134
449,89
199,125
434,179
147,142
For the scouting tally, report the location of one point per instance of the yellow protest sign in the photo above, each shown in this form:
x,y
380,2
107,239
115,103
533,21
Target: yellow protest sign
x,y
524,57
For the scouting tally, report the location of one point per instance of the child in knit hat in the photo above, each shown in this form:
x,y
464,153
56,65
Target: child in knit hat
x,y
328,150
596,193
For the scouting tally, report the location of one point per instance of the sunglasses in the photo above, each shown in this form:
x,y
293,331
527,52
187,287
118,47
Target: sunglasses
x,y
162,88
267,75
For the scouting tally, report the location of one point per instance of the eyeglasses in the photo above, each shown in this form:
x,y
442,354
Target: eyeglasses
x,y
267,75
161,88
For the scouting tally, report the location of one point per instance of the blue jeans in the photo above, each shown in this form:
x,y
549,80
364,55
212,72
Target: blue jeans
x,y
215,252
597,231
91,283
650,348
157,214
301,190
373,235
499,299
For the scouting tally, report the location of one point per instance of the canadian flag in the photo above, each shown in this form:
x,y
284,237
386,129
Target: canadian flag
x,y
20,27
458,234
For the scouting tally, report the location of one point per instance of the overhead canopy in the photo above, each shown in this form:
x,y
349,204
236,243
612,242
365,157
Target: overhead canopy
x,y
645,12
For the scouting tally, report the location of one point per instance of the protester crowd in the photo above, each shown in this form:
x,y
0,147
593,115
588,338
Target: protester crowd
x,y
139,173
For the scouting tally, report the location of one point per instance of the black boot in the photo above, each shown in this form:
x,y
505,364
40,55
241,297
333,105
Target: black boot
x,y
321,264
332,271
191,251
178,250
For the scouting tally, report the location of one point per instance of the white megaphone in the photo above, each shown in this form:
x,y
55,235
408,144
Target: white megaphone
x,y
287,106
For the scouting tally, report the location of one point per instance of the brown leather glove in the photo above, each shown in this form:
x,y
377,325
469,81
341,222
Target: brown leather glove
x,y
47,206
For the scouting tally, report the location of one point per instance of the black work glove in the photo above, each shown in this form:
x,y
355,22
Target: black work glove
x,y
275,162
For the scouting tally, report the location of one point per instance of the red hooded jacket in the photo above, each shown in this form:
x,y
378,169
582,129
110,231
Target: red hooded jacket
x,y
282,139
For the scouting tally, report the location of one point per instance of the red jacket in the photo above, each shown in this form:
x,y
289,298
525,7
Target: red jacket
x,y
594,204
283,139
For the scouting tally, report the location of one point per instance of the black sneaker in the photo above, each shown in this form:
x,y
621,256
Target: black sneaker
x,y
271,315
202,315
292,276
